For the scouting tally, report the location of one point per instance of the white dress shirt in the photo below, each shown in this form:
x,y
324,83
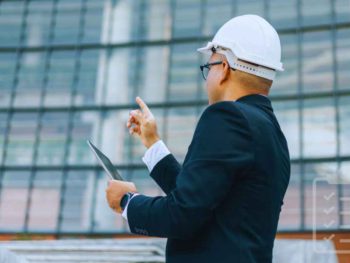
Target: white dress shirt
x,y
152,156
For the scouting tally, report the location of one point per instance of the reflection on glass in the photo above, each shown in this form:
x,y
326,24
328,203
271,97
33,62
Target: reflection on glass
x,y
286,82
287,114
343,58
316,12
317,62
45,200
21,139
290,215
76,201
13,200
283,14
184,72
314,171
30,79
53,135
181,124
60,78
319,128
10,22
344,125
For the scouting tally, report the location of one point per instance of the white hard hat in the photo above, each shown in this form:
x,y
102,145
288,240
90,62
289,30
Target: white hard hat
x,y
250,44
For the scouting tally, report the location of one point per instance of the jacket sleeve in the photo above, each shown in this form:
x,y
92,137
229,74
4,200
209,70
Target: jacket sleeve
x,y
165,173
221,150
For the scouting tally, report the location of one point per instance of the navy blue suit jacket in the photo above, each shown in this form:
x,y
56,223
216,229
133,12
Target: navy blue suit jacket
x,y
223,203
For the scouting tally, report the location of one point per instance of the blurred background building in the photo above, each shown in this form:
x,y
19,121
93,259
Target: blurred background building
x,y
70,71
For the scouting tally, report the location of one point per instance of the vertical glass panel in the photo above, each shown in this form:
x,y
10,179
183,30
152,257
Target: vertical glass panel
x,y
21,139
30,79
344,125
84,124
87,77
8,70
105,219
316,12
117,87
184,72
290,217
111,135
250,7
60,79
283,14
287,82
13,201
45,201
53,133
11,17
317,62
117,21
345,196
181,123
343,58
76,203
93,21
68,21
153,74
187,18
156,16
322,188
287,113
342,10
3,127
39,19
213,21
319,128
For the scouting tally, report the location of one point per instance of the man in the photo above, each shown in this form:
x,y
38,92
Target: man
x,y
223,203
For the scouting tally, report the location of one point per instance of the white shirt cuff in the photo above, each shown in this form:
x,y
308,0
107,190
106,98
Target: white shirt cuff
x,y
154,154
125,211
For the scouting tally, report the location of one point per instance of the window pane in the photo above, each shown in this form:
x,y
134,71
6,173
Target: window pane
x,y
30,79
181,124
283,14
184,72
323,187
187,18
212,21
316,12
8,70
45,201
21,139
287,114
342,9
287,82
319,128
317,62
290,215
13,201
11,22
343,59
53,136
76,201
344,125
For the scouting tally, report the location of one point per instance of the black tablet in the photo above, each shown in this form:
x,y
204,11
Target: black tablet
x,y
105,162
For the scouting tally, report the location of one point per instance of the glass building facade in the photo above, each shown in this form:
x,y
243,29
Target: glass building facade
x,y
70,71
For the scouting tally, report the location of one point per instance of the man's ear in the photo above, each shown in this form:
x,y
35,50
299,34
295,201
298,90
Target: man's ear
x,y
225,72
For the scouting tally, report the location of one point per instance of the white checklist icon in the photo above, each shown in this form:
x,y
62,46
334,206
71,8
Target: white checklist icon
x,y
331,212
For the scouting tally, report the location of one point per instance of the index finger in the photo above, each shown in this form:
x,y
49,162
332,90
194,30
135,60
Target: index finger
x,y
142,105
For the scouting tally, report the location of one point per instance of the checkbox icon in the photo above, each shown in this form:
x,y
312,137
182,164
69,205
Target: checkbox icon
x,y
327,209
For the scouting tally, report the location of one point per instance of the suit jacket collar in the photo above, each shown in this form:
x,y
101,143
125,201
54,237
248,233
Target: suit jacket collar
x,y
256,99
